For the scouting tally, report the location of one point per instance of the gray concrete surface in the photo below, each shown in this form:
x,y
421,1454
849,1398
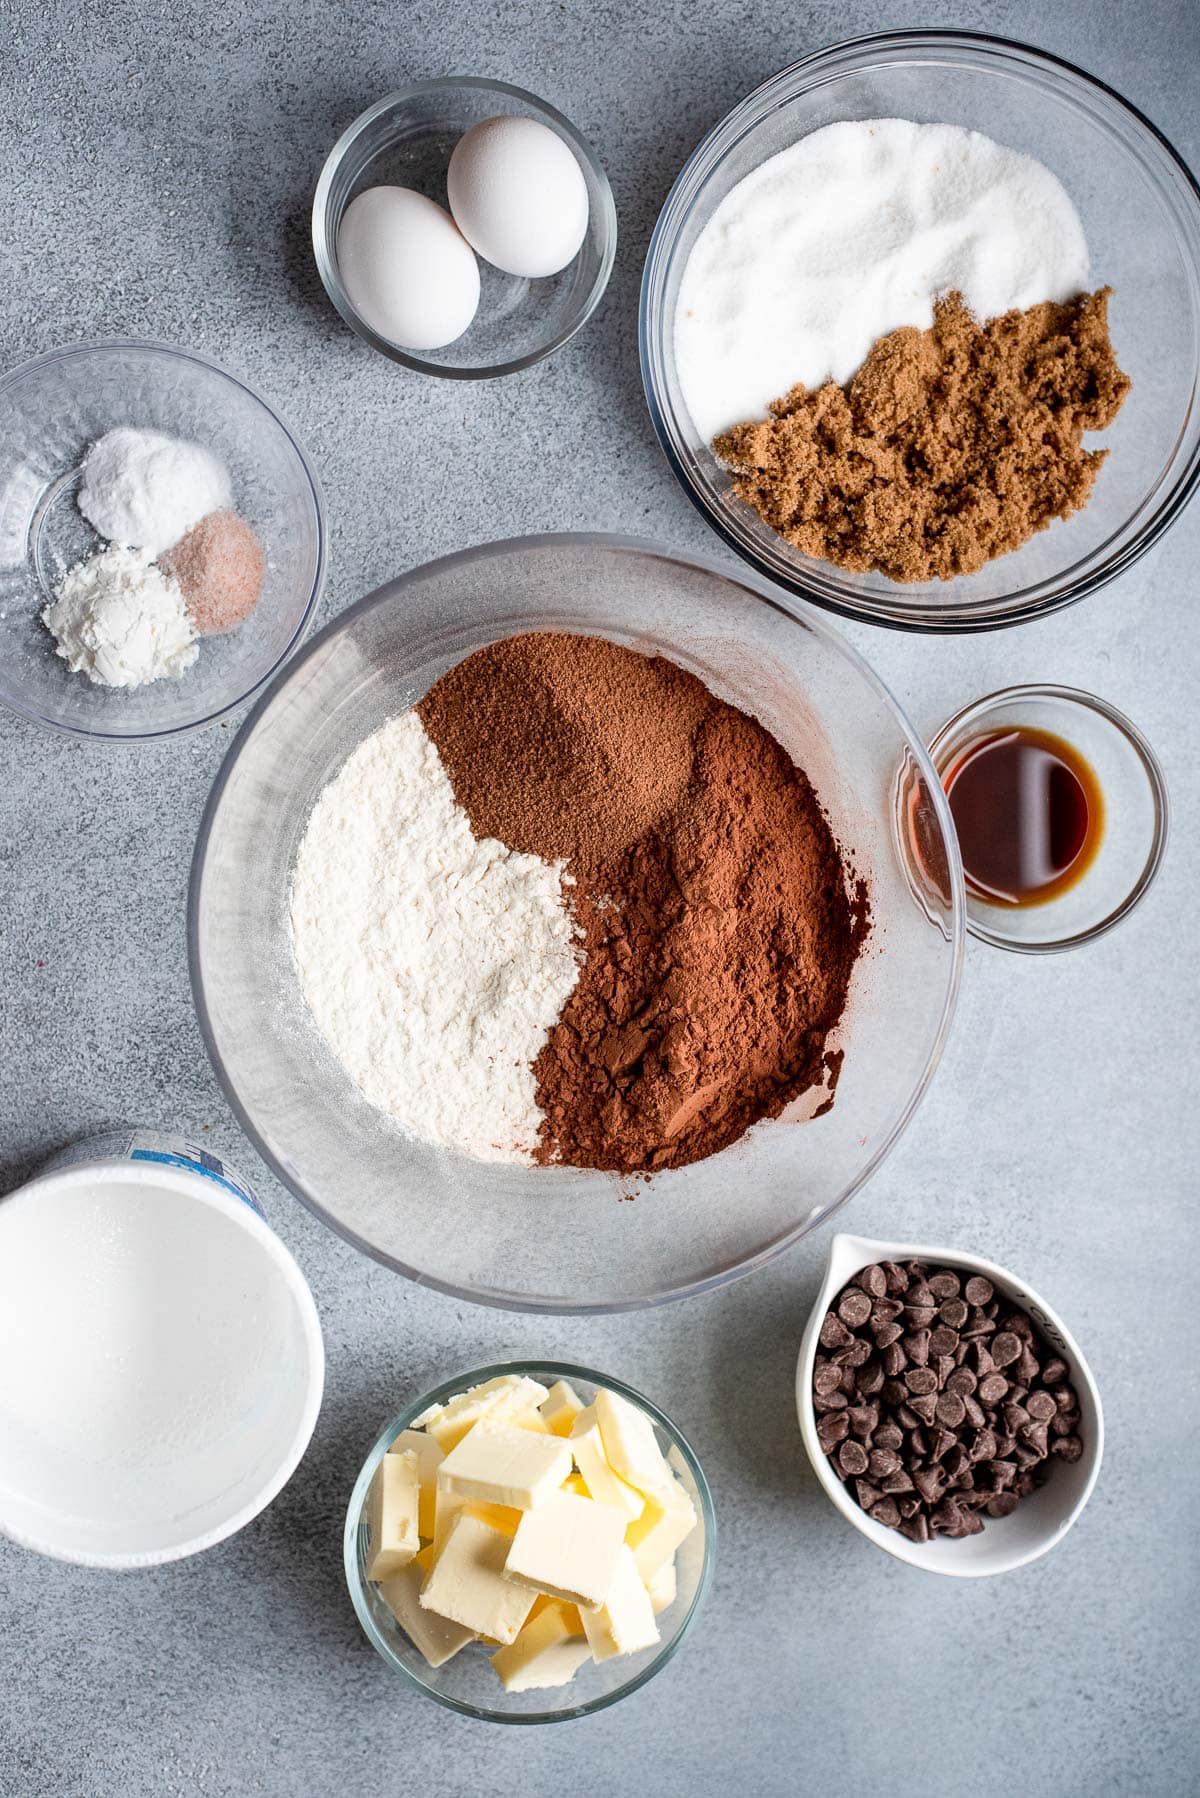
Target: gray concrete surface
x,y
158,165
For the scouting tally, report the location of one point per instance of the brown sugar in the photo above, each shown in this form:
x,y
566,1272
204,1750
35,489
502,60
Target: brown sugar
x,y
719,923
949,447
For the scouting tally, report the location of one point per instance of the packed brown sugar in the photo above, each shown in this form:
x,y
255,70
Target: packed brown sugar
x,y
948,448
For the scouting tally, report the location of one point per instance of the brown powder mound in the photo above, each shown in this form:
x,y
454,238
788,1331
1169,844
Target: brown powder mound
x,y
719,935
949,447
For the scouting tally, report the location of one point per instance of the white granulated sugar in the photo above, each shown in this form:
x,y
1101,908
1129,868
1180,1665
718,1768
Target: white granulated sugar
x,y
121,621
147,490
434,964
851,233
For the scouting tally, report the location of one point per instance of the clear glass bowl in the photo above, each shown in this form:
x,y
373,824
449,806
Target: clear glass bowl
x,y
1136,815
1141,210
554,1238
467,1683
405,140
51,410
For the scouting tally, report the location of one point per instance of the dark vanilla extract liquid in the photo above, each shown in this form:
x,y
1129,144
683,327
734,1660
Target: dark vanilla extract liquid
x,y
1029,814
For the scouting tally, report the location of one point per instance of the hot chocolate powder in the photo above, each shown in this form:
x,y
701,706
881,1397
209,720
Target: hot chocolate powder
x,y
719,923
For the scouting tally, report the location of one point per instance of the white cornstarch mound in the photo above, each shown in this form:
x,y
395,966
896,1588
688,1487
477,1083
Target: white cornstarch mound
x,y
851,233
434,964
147,490
121,621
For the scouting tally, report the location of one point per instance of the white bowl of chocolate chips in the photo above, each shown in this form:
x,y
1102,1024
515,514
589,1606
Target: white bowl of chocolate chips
x,y
947,1410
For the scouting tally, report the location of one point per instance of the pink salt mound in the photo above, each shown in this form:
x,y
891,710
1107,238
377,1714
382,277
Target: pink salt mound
x,y
220,567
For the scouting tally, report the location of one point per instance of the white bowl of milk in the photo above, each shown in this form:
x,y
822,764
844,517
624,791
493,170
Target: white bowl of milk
x,y
161,1362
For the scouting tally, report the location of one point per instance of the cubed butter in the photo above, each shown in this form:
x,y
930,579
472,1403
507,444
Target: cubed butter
x,y
576,1484
393,1509
668,1519
501,1517
506,1399
467,1584
630,1443
502,1465
548,1652
568,1548
625,1622
560,1407
603,1482
662,1588
435,1637
429,1459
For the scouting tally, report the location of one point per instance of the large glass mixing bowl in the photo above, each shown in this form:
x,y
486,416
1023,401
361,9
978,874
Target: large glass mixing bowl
x,y
1140,208
557,1239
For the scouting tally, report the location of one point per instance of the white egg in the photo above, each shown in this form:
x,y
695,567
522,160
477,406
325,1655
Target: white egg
x,y
518,194
407,269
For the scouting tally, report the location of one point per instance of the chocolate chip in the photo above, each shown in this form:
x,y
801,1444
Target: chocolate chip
x,y
978,1291
833,1401
870,1378
1006,1348
908,1507
923,1406
919,1293
1055,1372
945,1285
930,1483
852,1458
883,1461
978,1324
1027,1366
886,1334
953,1313
893,1392
832,1429
834,1333
981,1358
826,1378
1068,1448
1019,1325
896,1482
885,1311
916,1528
887,1512
943,1340
984,1446
897,1279
1064,1423
940,1443
920,1380
1003,1505
863,1419
867,1494
919,1317
1035,1436
894,1360
1041,1406
916,1347
873,1281
853,1355
962,1381
974,1410
992,1388
1066,1398
918,1446
950,1410
854,1307
889,1435
908,1418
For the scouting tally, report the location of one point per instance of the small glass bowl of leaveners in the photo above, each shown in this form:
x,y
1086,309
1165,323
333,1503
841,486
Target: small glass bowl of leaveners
x,y
529,1542
947,1411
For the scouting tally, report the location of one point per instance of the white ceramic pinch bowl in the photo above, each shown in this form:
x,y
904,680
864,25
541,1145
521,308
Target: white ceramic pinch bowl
x,y
1040,1521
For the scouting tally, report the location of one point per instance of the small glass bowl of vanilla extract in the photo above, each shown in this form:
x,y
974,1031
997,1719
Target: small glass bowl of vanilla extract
x,y
1061,812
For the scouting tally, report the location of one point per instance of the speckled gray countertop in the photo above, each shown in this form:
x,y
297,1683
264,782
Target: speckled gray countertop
x,y
159,163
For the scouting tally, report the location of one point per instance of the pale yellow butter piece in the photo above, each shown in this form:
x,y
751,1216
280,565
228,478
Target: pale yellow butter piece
x,y
568,1548
625,1622
503,1465
434,1637
501,1517
663,1588
393,1506
467,1584
447,1508
630,1443
429,1458
548,1652
560,1407
604,1484
669,1518
505,1399
576,1484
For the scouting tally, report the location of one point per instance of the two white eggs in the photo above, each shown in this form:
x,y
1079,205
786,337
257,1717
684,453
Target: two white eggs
x,y
518,198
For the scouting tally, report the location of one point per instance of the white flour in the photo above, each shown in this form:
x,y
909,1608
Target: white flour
x,y
121,621
146,490
849,234
434,964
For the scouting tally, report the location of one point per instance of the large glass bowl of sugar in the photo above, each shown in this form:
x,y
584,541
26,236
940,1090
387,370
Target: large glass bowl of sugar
x,y
558,1238
1140,208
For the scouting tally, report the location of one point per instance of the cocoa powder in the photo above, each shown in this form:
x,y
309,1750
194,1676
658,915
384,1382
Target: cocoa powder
x,y
718,921
949,447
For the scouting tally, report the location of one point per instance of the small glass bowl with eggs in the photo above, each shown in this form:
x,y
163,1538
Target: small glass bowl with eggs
x,y
464,228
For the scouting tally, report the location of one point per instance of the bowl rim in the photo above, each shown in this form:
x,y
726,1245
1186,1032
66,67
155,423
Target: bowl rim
x,y
759,588
1156,780
216,1196
325,250
847,1256
660,249
173,352
558,1370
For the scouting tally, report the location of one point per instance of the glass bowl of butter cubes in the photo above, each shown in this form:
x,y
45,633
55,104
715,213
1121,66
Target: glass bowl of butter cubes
x,y
529,1542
